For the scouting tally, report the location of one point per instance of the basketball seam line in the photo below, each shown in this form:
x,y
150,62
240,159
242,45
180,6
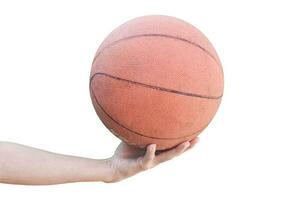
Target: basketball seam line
x,y
137,133
156,87
157,35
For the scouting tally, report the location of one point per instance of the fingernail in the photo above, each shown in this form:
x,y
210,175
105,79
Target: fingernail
x,y
153,146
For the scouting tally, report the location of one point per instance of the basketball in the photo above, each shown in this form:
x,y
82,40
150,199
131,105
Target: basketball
x,y
156,79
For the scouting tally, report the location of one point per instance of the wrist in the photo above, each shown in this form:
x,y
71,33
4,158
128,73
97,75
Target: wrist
x,y
107,171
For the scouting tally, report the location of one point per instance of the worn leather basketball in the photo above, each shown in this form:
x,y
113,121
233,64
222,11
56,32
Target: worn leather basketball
x,y
156,79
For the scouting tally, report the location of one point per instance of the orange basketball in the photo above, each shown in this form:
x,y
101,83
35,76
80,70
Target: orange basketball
x,y
156,79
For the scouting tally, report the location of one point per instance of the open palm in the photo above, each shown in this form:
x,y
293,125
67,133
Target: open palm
x,y
128,160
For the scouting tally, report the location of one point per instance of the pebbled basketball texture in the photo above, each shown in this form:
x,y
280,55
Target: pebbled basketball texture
x,y
156,79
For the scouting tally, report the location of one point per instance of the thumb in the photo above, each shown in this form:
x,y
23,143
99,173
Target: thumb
x,y
147,160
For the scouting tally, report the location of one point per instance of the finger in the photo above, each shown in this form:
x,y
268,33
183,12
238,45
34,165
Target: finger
x,y
168,155
193,142
148,157
150,153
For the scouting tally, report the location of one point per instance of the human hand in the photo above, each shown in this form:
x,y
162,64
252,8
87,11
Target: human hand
x,y
128,160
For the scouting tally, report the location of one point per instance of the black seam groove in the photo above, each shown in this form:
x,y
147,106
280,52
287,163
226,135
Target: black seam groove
x,y
157,35
156,87
137,133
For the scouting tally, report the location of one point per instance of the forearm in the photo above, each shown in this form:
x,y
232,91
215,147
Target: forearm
x,y
25,165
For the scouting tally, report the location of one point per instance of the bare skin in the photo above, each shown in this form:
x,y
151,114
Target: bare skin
x,y
25,165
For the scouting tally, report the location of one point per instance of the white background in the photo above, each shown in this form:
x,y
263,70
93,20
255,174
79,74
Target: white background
x,y
251,150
